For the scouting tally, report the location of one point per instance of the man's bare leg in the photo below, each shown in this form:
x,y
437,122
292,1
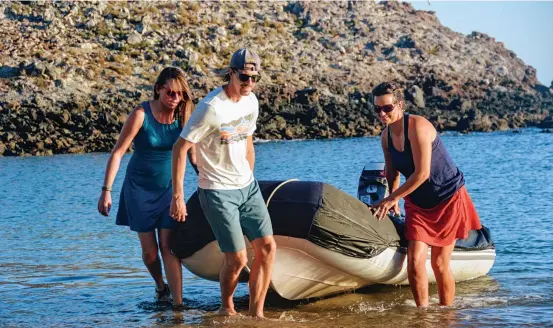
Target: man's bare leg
x,y
260,275
228,279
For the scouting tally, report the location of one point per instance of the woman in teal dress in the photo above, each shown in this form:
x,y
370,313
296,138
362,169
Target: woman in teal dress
x,y
145,197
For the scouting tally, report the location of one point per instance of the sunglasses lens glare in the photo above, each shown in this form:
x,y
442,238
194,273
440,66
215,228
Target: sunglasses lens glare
x,y
385,108
246,77
173,94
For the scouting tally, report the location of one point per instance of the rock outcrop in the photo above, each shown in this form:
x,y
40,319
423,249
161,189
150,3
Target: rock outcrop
x,y
70,72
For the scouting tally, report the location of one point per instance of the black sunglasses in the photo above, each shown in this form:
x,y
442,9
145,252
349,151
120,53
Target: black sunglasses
x,y
172,94
245,77
386,108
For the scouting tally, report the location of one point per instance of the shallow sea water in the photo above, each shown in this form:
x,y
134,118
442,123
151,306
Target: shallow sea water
x,y
65,265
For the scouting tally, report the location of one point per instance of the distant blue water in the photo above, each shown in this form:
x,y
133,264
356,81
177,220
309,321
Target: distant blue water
x,y
62,264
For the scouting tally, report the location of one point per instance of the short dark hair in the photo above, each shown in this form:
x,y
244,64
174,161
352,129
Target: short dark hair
x,y
389,88
226,77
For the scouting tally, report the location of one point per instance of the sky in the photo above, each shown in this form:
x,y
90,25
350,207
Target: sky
x,y
525,27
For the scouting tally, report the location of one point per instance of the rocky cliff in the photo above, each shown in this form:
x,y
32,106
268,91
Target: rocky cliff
x,y
70,72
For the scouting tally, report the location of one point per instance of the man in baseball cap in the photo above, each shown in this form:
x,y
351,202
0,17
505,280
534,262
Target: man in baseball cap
x,y
245,56
221,129
245,65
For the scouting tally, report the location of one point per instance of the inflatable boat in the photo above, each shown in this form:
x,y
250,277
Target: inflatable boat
x,y
327,240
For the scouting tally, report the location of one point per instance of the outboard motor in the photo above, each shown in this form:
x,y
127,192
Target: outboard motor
x,y
373,185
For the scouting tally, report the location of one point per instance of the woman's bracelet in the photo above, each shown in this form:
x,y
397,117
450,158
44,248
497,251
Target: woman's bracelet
x,y
106,188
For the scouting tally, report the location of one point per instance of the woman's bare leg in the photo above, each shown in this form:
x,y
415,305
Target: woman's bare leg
x,y
416,271
173,268
150,257
441,259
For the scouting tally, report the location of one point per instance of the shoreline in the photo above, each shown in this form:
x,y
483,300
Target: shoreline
x,y
257,141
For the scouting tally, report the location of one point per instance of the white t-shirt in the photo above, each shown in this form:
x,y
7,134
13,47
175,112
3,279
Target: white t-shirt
x,y
219,127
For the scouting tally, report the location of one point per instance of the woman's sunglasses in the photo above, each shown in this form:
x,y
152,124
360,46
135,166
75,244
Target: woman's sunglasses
x,y
245,77
386,108
172,94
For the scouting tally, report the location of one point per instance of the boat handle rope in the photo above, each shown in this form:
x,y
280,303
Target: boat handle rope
x,y
274,191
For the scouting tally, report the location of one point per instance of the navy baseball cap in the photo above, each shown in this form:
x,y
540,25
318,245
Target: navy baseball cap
x,y
244,56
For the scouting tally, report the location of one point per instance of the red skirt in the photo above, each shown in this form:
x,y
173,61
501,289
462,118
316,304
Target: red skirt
x,y
441,225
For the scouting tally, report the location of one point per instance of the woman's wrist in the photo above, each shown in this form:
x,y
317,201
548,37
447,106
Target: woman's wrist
x,y
106,188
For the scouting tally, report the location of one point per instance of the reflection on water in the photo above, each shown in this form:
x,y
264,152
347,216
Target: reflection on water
x,y
382,306
62,261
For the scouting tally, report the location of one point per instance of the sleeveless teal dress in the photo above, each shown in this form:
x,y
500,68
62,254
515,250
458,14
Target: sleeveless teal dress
x,y
147,189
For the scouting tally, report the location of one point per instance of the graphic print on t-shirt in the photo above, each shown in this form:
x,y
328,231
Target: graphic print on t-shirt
x,y
236,130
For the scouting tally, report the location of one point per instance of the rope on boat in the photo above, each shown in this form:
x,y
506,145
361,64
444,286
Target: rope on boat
x,y
274,191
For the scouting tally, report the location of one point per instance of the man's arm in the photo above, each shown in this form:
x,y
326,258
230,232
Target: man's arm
x,y
250,152
193,159
200,124
178,168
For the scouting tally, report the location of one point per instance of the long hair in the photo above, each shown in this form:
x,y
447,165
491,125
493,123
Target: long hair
x,y
184,108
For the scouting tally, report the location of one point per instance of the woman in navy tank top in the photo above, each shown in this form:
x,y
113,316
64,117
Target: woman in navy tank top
x,y
438,209
145,197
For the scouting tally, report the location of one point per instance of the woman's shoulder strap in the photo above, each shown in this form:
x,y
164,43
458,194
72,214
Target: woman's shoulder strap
x,y
406,127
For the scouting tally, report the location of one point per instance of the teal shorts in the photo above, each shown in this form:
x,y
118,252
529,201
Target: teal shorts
x,y
235,213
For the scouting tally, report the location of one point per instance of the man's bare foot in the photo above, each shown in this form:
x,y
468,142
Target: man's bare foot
x,y
226,312
258,315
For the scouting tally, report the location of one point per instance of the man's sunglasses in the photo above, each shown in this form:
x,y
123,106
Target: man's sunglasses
x,y
172,94
386,108
245,77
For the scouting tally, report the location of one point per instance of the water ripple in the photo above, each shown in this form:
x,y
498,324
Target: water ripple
x,y
63,261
